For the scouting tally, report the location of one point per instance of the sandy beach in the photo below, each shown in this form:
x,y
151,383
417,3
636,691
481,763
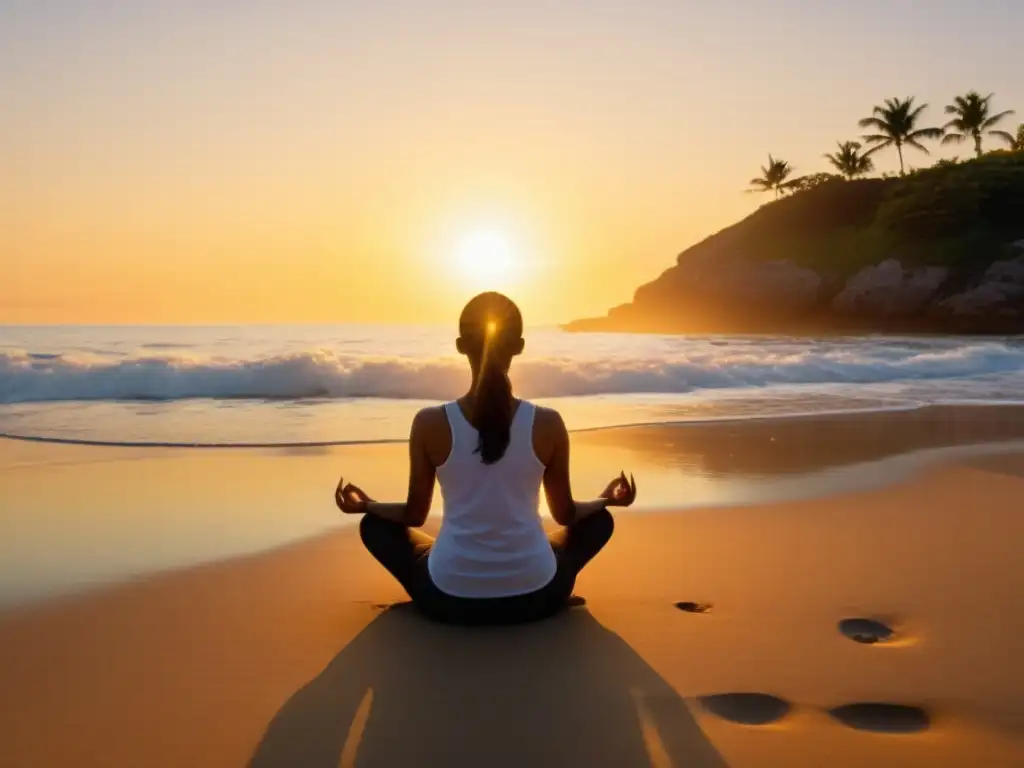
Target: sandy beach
x,y
299,657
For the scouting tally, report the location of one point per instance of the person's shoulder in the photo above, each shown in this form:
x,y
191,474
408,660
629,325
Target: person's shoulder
x,y
543,412
430,418
549,434
548,418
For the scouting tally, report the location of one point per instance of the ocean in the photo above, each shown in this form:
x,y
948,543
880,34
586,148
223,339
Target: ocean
x,y
349,384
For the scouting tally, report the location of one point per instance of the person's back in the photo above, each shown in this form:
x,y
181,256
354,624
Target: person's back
x,y
491,543
492,562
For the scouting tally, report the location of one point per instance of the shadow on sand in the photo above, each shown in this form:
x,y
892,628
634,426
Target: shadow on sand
x,y
564,692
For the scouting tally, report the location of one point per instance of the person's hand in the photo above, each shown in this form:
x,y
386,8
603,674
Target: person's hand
x,y
351,499
620,491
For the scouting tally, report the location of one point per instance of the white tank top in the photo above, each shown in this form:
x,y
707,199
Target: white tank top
x,y
491,542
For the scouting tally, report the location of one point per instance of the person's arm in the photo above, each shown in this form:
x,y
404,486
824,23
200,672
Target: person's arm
x,y
564,509
414,511
422,473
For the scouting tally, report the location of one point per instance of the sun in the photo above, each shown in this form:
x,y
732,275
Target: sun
x,y
486,260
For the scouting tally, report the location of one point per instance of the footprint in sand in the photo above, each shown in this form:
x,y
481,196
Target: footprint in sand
x,y
746,708
882,717
689,607
866,631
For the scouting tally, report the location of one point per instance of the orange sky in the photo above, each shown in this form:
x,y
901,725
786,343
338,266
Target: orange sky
x,y
239,162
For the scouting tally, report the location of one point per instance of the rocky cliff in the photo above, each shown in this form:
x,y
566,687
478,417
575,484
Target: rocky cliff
x,y
941,250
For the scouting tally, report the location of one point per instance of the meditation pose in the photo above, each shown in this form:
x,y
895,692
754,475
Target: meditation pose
x,y
492,561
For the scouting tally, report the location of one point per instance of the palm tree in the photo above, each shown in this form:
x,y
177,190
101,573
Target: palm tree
x,y
896,124
849,160
773,177
973,119
1017,145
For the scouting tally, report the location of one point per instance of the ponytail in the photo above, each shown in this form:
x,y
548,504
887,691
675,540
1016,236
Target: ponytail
x,y
492,412
491,334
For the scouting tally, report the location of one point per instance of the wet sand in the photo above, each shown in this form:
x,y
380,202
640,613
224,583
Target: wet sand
x,y
75,517
293,657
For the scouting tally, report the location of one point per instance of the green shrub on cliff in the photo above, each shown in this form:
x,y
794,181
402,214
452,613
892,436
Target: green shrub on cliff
x,y
958,214
949,200
813,181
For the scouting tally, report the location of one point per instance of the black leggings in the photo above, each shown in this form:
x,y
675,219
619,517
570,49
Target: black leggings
x,y
404,552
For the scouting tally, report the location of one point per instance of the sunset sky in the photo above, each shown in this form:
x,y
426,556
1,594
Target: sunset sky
x,y
316,161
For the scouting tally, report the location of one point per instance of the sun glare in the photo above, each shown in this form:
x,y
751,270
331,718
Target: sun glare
x,y
485,260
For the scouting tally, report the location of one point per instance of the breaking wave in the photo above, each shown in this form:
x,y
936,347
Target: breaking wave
x,y
28,378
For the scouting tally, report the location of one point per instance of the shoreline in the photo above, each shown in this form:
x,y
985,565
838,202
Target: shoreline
x,y
709,421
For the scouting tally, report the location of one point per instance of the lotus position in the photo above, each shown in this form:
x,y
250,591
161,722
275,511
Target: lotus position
x,y
492,561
